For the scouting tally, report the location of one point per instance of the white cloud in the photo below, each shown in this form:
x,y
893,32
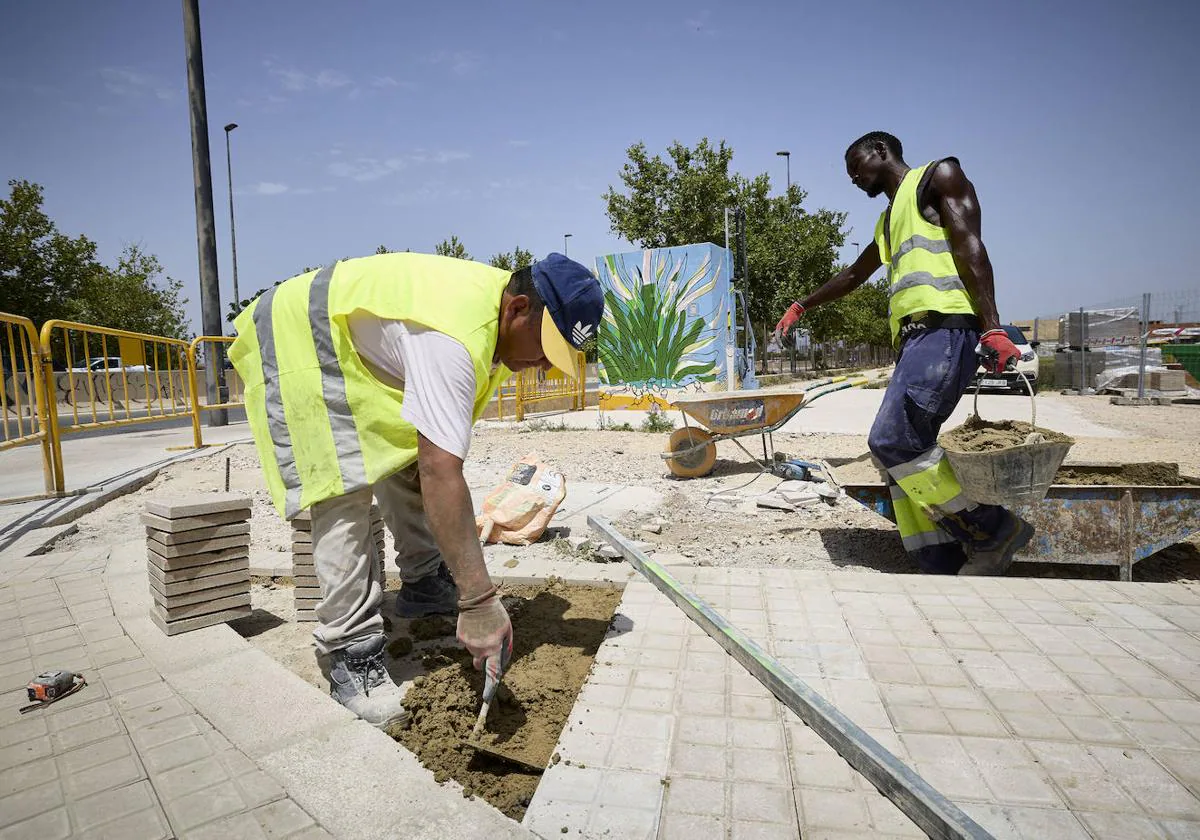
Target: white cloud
x,y
460,62
296,80
123,81
273,188
331,79
365,169
390,82
519,144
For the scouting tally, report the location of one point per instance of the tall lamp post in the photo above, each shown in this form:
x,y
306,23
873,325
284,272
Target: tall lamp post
x,y
237,299
566,236
858,247
787,156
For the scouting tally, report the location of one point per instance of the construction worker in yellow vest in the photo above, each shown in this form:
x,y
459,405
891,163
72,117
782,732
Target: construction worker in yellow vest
x,y
363,380
943,318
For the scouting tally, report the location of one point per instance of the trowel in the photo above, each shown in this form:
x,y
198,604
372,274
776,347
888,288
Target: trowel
x,y
493,670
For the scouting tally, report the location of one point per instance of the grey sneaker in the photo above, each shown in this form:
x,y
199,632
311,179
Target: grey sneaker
x,y
994,559
359,681
433,594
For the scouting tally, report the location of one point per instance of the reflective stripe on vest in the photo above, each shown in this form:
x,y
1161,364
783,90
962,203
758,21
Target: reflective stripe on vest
x,y
929,481
281,437
916,529
921,271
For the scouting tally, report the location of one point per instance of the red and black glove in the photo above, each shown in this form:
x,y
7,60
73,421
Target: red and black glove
x,y
997,351
788,320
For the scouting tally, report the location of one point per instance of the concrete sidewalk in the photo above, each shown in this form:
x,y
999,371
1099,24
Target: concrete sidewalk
x,y
1044,708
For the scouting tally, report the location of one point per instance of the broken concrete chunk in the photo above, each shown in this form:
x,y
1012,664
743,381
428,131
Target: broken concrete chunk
x,y
579,543
607,552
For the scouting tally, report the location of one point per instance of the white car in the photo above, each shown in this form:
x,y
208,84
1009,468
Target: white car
x,y
97,364
1010,380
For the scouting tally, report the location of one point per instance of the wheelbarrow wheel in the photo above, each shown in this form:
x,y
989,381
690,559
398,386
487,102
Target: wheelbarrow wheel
x,y
697,462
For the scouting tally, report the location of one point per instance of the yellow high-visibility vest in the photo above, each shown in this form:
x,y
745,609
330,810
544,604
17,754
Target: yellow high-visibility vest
x,y
921,271
324,425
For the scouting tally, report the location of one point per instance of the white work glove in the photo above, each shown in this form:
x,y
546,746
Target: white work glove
x,y
484,628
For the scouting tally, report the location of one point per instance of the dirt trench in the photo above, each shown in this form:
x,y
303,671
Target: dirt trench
x,y
557,629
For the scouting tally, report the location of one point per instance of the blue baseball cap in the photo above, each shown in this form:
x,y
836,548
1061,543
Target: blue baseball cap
x,y
575,305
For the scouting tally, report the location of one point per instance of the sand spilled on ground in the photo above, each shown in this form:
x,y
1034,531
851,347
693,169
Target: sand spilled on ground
x,y
557,630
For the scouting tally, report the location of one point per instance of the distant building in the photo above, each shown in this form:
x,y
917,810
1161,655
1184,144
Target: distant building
x,y
1047,329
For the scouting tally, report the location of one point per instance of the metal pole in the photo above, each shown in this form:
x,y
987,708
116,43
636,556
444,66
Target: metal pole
x,y
237,298
206,237
566,236
1145,333
1082,351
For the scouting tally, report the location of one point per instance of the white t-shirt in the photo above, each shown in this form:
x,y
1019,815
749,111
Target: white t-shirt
x,y
434,370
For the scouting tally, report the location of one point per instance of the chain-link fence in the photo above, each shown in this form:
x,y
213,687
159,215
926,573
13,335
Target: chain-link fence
x,y
1148,343
820,357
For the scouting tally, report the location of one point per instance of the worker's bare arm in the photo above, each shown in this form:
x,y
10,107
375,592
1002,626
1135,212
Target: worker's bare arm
x,y
958,207
451,517
846,280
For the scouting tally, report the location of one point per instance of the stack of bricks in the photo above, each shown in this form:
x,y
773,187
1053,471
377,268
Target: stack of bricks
x,y
198,552
308,591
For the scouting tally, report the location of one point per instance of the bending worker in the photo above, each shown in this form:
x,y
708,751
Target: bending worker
x,y
943,318
364,379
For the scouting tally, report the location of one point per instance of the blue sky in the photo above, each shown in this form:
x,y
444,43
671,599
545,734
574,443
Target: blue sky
x,y
367,123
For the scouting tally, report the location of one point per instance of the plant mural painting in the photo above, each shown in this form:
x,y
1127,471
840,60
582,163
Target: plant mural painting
x,y
664,327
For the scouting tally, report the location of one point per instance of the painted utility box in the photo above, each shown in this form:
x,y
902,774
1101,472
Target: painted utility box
x,y
667,323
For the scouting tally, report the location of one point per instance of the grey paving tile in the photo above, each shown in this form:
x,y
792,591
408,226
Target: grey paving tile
x,y
237,827
29,774
195,809
31,802
51,825
115,804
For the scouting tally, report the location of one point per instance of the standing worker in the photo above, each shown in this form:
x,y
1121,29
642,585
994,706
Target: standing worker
x,y
941,299
364,379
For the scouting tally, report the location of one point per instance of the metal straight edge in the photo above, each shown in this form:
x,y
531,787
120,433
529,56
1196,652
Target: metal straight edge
x,y
932,812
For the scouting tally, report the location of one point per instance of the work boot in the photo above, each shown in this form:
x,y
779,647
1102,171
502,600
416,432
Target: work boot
x,y
359,681
434,594
994,557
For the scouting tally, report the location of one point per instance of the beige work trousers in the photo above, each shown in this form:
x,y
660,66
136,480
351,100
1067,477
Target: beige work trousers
x,y
345,560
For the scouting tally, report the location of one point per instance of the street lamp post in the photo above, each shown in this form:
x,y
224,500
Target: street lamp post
x,y
566,236
787,156
237,299
858,247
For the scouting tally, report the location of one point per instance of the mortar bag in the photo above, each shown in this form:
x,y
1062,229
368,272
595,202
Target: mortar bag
x,y
519,510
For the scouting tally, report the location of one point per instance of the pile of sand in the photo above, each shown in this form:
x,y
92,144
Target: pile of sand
x,y
979,435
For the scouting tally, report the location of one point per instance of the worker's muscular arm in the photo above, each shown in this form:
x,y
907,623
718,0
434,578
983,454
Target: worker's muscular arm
x,y
846,280
958,208
842,284
451,516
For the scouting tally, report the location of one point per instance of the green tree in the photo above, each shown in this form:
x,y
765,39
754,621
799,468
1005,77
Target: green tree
x,y
41,269
383,249
518,258
452,248
135,296
681,199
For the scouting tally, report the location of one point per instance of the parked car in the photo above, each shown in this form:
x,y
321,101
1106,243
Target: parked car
x,y
1010,380
112,363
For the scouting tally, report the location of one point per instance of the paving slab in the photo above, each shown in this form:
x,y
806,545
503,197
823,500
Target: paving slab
x,y
1001,692
173,570
171,552
211,532
198,504
191,523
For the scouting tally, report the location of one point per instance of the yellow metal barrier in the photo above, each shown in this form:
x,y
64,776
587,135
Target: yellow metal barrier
x,y
234,396
117,377
22,392
534,386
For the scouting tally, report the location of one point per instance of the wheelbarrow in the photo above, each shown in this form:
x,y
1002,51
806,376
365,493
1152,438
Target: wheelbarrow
x,y
729,415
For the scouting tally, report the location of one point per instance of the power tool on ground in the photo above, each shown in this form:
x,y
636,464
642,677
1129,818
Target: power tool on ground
x,y
52,686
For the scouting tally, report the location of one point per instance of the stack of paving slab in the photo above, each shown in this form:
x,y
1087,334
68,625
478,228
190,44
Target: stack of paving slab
x,y
304,575
198,557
